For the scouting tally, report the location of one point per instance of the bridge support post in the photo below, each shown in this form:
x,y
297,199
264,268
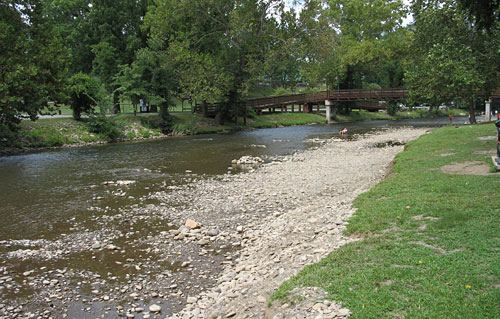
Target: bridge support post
x,y
331,111
487,111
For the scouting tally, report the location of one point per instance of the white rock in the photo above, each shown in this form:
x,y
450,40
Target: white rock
x,y
154,308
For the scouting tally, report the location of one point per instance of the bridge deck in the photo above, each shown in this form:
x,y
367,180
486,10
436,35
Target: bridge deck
x,y
366,95
333,95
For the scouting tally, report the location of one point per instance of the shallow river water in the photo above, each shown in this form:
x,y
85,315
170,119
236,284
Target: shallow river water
x,y
46,194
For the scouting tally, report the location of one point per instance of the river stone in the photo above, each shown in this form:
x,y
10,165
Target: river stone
x,y
344,312
125,183
212,232
192,224
154,308
202,242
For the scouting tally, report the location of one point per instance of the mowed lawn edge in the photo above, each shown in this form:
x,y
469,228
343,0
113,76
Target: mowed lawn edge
x,y
431,241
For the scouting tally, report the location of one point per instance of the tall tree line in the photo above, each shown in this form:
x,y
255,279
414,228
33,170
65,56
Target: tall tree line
x,y
95,54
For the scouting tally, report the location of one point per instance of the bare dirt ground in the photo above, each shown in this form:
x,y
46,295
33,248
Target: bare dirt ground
x,y
467,168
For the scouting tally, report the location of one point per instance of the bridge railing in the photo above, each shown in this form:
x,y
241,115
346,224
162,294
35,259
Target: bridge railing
x,y
367,94
287,99
336,95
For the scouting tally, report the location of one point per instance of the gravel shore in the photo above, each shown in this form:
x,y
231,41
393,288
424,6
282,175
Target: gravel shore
x,y
287,215
246,234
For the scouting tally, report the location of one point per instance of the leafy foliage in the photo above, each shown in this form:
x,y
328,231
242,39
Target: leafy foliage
x,y
104,126
84,94
33,62
451,57
214,45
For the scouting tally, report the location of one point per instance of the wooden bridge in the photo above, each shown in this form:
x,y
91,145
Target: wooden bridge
x,y
307,101
368,99
318,98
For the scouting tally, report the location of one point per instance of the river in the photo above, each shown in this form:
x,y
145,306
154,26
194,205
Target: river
x,y
48,195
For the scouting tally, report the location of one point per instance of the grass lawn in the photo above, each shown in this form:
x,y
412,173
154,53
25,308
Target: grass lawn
x,y
361,115
431,246
285,119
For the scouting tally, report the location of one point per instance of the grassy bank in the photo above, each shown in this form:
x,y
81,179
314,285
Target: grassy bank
x,y
56,132
431,246
362,115
65,131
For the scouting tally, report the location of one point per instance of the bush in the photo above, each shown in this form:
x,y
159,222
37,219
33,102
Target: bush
x,y
104,126
166,120
251,113
392,107
151,122
8,137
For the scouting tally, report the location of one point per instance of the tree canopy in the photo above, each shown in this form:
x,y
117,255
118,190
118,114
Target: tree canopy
x,y
33,62
452,57
94,54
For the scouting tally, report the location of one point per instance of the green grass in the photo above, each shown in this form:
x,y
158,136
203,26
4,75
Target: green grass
x,y
62,131
448,269
126,108
285,119
54,132
362,115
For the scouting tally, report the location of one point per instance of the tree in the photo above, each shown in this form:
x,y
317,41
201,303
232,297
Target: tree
x,y
347,39
33,62
85,93
213,45
452,57
101,35
485,13
157,79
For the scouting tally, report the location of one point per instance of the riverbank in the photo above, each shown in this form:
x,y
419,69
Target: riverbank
x,y
286,215
257,228
429,231
66,132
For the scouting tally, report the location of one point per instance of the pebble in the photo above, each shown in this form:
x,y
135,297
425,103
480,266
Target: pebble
x,y
154,308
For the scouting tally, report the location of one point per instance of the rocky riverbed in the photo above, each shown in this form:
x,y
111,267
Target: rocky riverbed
x,y
247,233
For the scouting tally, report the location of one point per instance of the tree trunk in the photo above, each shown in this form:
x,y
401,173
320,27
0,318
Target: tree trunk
x,y
204,108
116,103
472,110
77,114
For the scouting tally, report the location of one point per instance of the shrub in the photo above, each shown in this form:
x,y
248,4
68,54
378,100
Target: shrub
x,y
166,120
251,113
8,137
392,107
150,122
104,126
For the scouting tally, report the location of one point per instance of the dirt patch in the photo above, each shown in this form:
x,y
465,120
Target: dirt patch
x,y
487,138
467,168
489,152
